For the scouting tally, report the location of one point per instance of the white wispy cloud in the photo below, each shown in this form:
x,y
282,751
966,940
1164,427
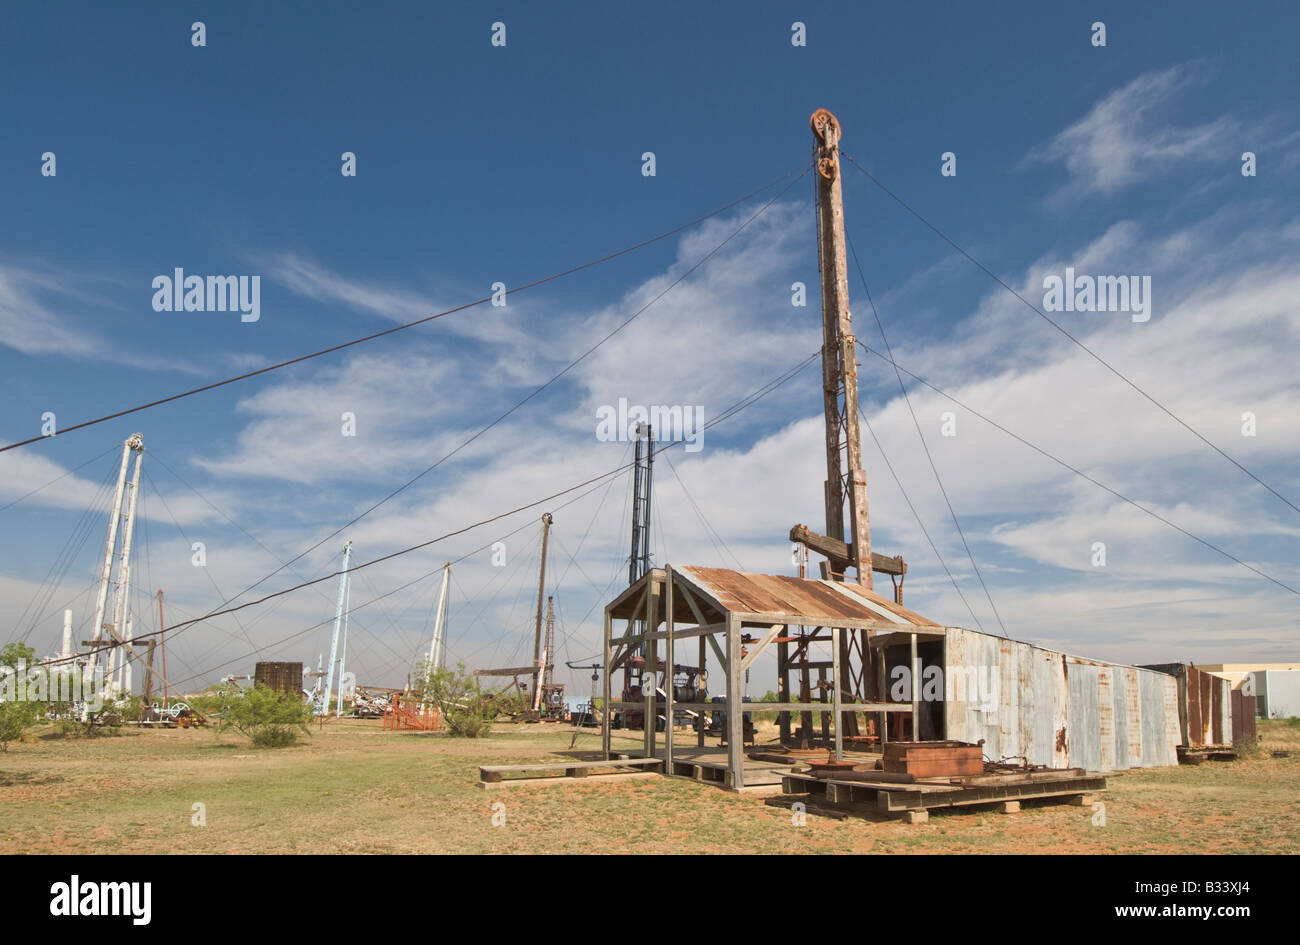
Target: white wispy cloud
x,y
1122,139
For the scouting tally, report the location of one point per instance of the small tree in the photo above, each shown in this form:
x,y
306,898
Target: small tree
x,y
463,706
16,715
271,719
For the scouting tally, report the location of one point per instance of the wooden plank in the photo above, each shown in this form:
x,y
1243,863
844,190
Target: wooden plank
x,y
605,713
695,608
717,651
547,782
842,554
486,771
837,669
735,707
762,644
904,800
668,661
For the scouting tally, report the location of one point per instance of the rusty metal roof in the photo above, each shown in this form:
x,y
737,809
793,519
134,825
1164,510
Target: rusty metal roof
x,y
822,602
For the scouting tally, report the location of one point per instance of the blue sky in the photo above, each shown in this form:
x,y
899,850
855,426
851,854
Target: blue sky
x,y
477,164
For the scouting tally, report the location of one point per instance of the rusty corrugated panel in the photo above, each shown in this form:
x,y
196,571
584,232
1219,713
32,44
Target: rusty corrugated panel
x,y
818,601
1106,715
1173,731
1243,717
1226,714
1216,708
1060,707
910,616
1132,692
1189,696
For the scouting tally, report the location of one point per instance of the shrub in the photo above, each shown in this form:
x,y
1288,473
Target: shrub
x,y
465,709
270,719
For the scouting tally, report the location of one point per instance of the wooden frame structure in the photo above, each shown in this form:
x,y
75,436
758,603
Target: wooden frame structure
x,y
736,616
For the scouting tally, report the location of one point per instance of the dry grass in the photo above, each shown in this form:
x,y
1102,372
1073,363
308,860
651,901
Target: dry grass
x,y
354,788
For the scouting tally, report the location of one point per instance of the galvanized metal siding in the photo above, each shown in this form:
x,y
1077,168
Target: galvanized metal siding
x,y
1133,728
1041,721
1083,717
1161,732
1106,715
1120,683
970,718
1058,710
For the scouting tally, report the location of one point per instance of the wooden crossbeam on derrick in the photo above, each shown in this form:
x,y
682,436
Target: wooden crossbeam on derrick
x,y
842,555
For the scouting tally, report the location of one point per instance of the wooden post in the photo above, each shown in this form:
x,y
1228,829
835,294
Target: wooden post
x,y
821,697
668,659
805,695
839,356
916,693
783,687
735,707
701,679
162,645
651,652
148,674
840,376
606,710
882,682
839,717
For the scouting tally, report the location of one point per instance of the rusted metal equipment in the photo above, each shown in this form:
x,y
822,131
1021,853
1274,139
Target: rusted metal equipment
x,y
415,718
280,677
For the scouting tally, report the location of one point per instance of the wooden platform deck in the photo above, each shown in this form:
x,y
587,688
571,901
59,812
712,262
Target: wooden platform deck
x,y
764,770
913,801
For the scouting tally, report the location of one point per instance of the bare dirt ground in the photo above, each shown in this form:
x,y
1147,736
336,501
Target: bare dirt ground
x,y
353,788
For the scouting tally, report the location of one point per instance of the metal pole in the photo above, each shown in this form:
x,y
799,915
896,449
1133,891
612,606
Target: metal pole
x,y
343,655
162,644
127,676
435,646
541,590
124,570
338,621
67,634
114,516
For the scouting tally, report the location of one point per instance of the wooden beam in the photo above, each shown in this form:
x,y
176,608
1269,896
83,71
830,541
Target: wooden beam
x,y
915,673
841,554
508,671
762,644
836,633
717,651
735,707
690,602
605,713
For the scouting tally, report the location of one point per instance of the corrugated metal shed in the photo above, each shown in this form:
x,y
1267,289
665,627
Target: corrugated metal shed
x,y
1024,701
1204,705
1054,709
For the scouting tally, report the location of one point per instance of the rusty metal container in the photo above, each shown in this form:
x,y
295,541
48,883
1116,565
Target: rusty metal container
x,y
934,759
1243,718
282,677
